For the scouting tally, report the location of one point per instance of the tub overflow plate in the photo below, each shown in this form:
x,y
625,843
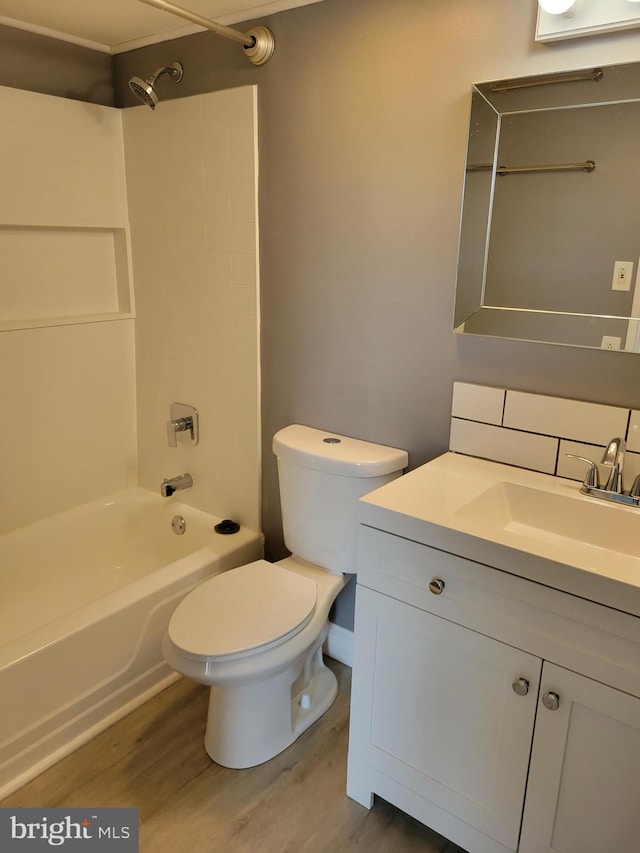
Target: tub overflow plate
x,y
178,525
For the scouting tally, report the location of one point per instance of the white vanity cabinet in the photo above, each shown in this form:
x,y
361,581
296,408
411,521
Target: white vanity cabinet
x,y
458,668
583,793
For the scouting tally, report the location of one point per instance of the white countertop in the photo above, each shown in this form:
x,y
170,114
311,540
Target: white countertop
x,y
477,509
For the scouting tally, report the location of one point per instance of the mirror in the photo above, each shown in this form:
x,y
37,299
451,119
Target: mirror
x,y
550,231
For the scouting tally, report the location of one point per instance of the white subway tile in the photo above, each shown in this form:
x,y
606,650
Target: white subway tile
x,y
537,452
478,402
571,419
631,468
572,468
633,442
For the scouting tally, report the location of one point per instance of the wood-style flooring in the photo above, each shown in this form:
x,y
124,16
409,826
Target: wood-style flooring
x,y
154,760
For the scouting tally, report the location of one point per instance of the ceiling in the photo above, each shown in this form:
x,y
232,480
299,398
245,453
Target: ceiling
x,y
117,25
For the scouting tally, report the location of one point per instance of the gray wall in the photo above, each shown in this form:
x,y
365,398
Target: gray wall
x,y
552,245
41,64
363,127
363,142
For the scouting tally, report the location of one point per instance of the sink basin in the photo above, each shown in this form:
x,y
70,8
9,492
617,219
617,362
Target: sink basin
x,y
510,511
525,523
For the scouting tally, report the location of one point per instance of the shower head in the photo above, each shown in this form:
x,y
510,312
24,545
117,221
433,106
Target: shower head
x,y
145,90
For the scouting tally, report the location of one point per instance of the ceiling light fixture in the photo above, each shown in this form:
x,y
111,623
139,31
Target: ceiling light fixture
x,y
565,19
559,7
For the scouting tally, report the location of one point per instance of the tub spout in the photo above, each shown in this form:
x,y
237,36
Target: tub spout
x,y
175,484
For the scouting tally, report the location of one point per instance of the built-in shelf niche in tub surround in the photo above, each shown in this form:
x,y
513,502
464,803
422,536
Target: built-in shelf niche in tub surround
x,y
66,312
536,431
57,275
63,212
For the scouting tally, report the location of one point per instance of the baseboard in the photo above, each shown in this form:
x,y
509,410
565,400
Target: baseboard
x,y
339,644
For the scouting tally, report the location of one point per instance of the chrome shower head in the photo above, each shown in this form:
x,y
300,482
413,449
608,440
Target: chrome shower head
x,y
145,90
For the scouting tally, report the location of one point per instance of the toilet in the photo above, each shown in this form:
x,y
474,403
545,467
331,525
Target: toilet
x,y
254,634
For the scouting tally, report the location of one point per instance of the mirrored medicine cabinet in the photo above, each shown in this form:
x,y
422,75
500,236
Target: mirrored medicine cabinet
x,y
550,231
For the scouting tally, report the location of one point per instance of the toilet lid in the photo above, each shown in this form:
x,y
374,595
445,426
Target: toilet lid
x,y
243,609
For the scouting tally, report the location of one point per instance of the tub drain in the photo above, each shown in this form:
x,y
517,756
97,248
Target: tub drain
x,y
227,526
178,525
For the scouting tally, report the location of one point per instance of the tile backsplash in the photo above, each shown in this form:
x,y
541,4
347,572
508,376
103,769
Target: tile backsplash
x,y
536,432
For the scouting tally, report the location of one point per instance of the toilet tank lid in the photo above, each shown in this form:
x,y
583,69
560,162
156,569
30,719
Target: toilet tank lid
x,y
337,454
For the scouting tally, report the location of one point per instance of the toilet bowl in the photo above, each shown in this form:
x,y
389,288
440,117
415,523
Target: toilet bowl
x,y
267,674
255,634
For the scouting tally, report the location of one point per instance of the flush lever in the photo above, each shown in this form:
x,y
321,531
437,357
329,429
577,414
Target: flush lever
x,y
182,425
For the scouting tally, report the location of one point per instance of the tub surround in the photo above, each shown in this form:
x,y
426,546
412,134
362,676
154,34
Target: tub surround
x,y
93,375
196,280
82,632
66,329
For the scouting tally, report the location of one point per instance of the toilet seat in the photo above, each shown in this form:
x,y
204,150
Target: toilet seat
x,y
255,606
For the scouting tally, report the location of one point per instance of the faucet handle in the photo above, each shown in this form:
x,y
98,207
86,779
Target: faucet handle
x,y
176,426
592,477
183,420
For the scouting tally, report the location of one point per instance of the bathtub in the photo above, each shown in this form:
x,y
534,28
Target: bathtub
x,y
85,599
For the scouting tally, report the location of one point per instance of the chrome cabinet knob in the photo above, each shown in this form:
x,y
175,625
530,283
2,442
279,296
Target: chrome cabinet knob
x,y
436,586
551,701
520,686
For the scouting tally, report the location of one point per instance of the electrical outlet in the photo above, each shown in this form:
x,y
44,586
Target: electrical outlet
x,y
622,272
610,342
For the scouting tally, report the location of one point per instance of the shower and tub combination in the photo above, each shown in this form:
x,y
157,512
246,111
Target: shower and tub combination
x,y
87,593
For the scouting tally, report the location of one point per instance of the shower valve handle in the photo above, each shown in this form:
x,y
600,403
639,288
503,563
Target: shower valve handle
x,y
182,425
176,426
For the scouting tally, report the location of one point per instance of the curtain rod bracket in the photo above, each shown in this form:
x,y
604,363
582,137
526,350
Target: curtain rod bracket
x,y
258,42
263,45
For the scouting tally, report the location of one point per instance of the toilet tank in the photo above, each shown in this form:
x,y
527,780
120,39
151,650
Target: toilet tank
x,y
321,477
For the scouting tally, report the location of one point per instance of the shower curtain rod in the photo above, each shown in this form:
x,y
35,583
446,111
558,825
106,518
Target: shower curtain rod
x,y
258,42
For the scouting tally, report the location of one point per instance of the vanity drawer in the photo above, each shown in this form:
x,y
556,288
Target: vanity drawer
x,y
581,635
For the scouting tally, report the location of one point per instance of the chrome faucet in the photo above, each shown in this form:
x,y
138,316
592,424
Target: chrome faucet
x,y
613,457
175,484
613,490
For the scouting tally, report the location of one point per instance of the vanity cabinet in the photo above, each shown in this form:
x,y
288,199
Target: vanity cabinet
x,y
583,793
500,712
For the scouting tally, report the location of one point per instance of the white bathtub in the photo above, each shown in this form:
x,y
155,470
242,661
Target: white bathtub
x,y
85,598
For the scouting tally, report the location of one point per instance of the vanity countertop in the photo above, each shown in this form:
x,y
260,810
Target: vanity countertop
x,y
531,525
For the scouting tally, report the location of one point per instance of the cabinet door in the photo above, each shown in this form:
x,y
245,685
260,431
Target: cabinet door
x,y
434,708
584,785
